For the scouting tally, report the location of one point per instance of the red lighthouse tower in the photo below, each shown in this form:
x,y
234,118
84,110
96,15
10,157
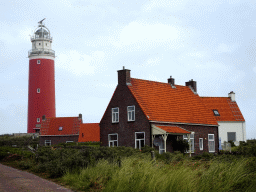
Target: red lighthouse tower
x,y
41,83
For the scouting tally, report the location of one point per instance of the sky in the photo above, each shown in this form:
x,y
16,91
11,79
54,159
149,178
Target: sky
x,y
212,42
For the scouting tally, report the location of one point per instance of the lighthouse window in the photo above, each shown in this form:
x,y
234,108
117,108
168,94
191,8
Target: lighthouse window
x,y
39,43
38,90
38,120
38,61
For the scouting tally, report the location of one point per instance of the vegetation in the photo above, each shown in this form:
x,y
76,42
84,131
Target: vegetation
x,y
88,167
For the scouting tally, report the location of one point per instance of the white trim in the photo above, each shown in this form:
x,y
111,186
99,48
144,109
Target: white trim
x,y
47,142
212,140
112,142
41,57
182,123
58,135
132,113
38,120
38,90
192,140
115,115
139,140
202,141
69,141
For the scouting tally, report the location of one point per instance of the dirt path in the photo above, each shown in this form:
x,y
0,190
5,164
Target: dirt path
x,y
12,180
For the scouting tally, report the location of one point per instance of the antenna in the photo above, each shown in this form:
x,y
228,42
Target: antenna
x,y
40,22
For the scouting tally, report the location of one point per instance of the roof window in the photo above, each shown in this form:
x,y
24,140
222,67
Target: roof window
x,y
216,112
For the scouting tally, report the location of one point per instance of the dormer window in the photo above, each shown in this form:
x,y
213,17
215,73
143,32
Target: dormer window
x,y
131,113
115,115
60,128
216,112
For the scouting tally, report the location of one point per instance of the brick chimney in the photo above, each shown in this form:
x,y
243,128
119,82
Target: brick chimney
x,y
232,96
171,81
80,116
192,84
124,77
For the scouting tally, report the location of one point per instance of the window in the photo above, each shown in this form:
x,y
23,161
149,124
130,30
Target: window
x,y
39,43
216,112
38,120
211,143
232,136
115,115
38,90
201,143
69,141
38,61
113,140
185,137
139,140
60,128
82,134
47,142
131,113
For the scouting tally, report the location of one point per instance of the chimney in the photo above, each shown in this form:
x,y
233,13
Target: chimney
x,y
43,118
232,96
171,81
192,84
124,77
80,116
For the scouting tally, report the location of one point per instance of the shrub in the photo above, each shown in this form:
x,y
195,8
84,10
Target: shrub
x,y
207,156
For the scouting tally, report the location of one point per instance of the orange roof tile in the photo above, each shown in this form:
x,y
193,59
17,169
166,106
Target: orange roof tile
x,y
70,125
89,132
228,110
173,129
161,102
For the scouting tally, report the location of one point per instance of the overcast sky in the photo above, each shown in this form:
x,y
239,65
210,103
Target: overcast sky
x,y
210,41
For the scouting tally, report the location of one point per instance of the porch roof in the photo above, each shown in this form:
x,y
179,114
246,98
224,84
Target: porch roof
x,y
174,130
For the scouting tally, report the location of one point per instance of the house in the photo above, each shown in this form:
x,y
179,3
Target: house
x,y
56,130
229,117
89,132
143,112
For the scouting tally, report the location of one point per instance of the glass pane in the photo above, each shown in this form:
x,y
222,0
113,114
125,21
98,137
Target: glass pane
x,y
185,136
130,108
211,146
115,143
138,144
231,136
115,109
192,145
113,137
129,116
133,115
142,143
210,137
139,135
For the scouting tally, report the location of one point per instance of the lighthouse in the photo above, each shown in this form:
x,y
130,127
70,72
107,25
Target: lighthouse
x,y
41,82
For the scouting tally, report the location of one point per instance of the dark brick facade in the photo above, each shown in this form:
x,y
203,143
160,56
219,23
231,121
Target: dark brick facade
x,y
126,130
57,139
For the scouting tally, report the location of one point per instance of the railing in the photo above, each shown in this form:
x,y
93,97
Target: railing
x,y
34,52
43,37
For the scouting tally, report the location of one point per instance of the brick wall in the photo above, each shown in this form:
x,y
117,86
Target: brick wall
x,y
126,130
58,139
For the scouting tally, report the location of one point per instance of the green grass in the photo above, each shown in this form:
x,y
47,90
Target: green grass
x,y
141,174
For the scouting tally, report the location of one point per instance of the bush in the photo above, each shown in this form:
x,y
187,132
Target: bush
x,y
207,156
232,143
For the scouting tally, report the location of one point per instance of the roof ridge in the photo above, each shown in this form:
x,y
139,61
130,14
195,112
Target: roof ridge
x,y
158,82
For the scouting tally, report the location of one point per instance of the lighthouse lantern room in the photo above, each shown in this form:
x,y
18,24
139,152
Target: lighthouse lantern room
x,y
41,83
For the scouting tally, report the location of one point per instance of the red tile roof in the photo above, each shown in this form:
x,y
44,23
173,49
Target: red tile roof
x,y
161,102
173,129
70,126
89,132
228,110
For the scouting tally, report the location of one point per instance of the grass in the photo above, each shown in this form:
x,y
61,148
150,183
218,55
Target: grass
x,y
142,174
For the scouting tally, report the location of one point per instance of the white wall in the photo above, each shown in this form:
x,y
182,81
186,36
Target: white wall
x,y
232,126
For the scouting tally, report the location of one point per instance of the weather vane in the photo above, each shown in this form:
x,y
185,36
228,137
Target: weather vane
x,y
41,21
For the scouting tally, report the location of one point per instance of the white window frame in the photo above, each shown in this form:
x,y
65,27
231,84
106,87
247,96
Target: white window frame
x,y
38,120
139,140
115,115
192,139
201,141
38,90
38,61
69,141
211,141
132,112
111,143
47,142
